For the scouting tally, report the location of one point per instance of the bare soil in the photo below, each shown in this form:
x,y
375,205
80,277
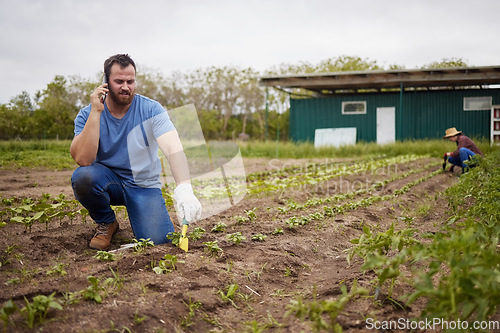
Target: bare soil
x,y
269,274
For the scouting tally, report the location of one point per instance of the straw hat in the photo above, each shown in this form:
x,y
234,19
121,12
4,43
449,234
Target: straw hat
x,y
451,132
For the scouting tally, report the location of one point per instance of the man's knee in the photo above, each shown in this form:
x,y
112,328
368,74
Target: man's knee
x,y
83,180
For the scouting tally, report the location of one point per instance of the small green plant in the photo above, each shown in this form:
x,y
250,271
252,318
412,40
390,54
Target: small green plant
x,y
116,282
212,248
407,219
373,248
6,311
5,259
175,237
142,244
167,264
196,234
13,281
94,291
259,237
424,209
315,310
71,298
241,219
57,269
251,214
256,273
105,256
187,321
37,311
279,293
277,231
138,318
255,327
229,294
236,237
219,227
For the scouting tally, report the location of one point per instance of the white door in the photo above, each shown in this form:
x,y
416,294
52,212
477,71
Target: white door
x,y
386,125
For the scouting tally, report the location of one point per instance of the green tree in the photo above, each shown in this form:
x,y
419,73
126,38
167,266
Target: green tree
x,y
166,90
16,117
446,63
56,111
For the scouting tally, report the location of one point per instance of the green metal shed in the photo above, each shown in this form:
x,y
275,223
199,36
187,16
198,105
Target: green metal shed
x,y
384,106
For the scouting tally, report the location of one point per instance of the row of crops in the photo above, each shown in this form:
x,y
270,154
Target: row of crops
x,y
455,270
47,208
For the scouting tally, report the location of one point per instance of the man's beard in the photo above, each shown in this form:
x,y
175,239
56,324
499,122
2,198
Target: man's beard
x,y
122,98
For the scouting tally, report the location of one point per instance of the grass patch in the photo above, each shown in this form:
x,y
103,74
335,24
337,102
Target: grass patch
x,y
52,154
271,149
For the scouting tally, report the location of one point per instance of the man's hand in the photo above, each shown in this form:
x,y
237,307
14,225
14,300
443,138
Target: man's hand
x,y
96,98
188,206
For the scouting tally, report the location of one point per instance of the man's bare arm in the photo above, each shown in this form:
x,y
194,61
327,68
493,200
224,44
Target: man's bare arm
x,y
84,146
171,146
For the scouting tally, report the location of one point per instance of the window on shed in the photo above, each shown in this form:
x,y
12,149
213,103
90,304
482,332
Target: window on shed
x,y
354,107
477,103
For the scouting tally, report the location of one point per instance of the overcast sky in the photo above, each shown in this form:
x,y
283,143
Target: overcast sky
x,y
43,38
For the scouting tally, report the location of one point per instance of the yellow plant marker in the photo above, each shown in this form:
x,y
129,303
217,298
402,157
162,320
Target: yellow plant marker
x,y
183,242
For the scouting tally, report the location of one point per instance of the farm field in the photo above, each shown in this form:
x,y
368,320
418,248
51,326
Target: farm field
x,y
295,255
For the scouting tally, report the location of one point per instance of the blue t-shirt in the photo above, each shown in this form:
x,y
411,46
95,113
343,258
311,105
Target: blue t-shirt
x,y
128,145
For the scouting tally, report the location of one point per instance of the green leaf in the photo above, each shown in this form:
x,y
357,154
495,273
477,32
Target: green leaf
x,y
17,219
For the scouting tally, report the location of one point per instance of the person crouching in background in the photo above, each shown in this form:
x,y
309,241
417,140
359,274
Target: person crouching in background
x,y
466,149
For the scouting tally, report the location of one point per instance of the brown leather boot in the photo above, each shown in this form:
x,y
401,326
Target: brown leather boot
x,y
103,235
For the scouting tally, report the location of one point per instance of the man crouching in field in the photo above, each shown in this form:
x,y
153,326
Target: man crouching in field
x,y
466,149
116,146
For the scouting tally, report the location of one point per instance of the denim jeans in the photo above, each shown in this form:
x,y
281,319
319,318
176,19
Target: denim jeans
x,y
97,187
463,156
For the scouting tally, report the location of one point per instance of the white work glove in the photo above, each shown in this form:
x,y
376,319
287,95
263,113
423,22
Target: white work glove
x,y
188,206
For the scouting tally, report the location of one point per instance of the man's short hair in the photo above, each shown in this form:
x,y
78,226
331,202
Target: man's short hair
x,y
123,60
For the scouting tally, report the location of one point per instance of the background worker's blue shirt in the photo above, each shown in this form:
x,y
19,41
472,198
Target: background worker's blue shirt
x,y
128,145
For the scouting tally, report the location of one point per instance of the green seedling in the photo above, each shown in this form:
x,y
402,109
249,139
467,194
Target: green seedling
x,y
116,282
196,234
219,227
374,247
212,248
288,272
5,259
255,327
71,298
93,292
175,237
105,256
138,318
251,214
316,310
259,237
57,269
37,311
229,294
187,321
6,311
167,264
236,237
277,231
142,244
241,219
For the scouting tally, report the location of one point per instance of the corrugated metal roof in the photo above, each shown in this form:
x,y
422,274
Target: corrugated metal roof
x,y
365,80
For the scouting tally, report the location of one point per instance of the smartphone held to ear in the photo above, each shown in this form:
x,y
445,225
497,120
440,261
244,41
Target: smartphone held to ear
x,y
104,81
